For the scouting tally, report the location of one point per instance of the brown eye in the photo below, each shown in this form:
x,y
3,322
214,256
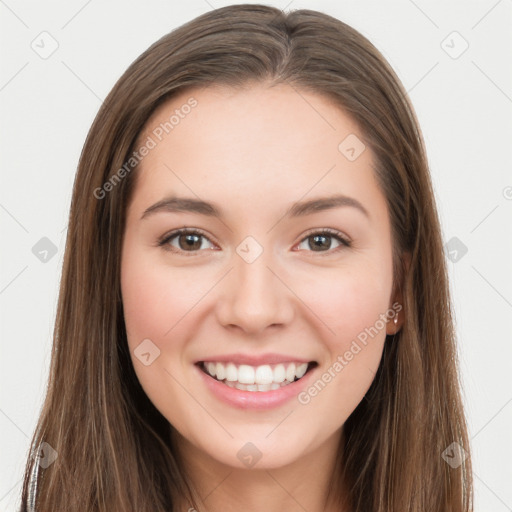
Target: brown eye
x,y
190,241
322,241
184,240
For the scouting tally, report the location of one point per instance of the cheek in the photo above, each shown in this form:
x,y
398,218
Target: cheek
x,y
155,297
160,304
156,301
348,302
353,305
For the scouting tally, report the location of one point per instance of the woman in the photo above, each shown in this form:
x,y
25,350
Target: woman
x,y
254,309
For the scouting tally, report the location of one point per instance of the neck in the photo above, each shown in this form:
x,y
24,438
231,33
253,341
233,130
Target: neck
x,y
311,483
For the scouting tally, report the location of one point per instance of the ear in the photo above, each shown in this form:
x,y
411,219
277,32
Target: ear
x,y
396,322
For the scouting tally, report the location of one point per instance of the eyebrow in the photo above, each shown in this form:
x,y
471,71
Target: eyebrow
x,y
298,209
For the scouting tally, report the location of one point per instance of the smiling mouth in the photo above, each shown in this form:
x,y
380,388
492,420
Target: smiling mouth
x,y
267,377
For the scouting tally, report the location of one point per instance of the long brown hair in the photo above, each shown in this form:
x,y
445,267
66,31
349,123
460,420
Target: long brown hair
x,y
114,448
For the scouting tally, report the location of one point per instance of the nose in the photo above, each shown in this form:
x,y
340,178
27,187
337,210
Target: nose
x,y
254,296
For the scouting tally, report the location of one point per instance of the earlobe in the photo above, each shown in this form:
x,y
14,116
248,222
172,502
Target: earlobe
x,y
395,323
399,314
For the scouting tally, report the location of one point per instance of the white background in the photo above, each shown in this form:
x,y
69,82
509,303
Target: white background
x,y
464,106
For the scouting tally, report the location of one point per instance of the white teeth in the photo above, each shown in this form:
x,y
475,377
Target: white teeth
x,y
264,375
262,378
245,374
290,373
301,370
211,367
255,387
220,371
279,373
231,372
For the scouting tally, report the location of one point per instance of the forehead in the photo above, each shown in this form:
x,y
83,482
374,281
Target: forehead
x,y
253,143
282,117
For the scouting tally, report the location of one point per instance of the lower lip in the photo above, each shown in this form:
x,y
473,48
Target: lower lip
x,y
255,399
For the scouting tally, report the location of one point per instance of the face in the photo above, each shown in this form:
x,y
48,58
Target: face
x,y
261,284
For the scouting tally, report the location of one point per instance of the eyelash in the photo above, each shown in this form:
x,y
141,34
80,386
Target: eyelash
x,y
164,241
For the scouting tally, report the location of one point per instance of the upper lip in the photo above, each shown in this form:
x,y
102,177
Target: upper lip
x,y
254,360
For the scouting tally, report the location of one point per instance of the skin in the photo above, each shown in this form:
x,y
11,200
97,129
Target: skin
x,y
253,153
